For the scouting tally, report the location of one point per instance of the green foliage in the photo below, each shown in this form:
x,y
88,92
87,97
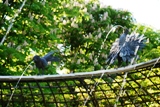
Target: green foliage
x,y
11,60
79,26
152,49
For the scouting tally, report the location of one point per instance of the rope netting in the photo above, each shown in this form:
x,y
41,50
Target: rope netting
x,y
142,88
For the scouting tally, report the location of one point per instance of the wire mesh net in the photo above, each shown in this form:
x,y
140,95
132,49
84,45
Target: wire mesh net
x,y
142,88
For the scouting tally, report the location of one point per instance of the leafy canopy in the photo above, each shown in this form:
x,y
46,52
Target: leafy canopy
x,y
79,27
